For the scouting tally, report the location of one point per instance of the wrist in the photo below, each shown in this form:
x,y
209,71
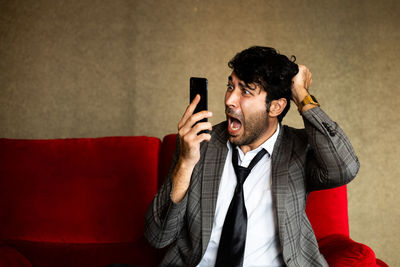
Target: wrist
x,y
180,180
307,107
308,102
299,95
184,165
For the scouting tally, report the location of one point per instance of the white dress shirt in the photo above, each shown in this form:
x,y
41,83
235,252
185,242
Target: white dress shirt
x,y
262,242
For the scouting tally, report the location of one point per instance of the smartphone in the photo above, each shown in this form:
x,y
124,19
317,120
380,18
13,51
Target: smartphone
x,y
198,86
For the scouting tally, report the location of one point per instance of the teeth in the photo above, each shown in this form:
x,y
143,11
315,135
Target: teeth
x,y
234,128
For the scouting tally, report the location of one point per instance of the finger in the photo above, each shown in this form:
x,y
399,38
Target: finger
x,y
188,125
202,126
205,114
309,79
306,71
189,111
193,138
203,137
302,68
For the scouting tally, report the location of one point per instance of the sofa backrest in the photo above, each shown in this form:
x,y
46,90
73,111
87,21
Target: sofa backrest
x,y
79,190
167,150
326,209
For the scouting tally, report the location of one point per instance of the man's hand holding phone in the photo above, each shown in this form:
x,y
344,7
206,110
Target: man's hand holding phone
x,y
189,129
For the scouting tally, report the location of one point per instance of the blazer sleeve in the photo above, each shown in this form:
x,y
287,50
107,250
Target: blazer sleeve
x,y
164,218
331,160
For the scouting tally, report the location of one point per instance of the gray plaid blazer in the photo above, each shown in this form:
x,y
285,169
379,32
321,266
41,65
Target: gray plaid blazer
x,y
317,157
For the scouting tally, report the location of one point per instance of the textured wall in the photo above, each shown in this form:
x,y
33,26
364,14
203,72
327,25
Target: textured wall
x,y
101,68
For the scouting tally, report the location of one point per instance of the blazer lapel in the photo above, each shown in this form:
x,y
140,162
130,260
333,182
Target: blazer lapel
x,y
214,162
280,168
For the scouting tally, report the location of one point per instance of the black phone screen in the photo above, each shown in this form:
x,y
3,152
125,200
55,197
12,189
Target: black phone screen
x,y
199,86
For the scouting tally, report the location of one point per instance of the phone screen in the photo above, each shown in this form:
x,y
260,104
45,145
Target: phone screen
x,y
198,86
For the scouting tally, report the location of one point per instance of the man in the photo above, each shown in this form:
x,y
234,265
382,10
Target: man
x,y
199,210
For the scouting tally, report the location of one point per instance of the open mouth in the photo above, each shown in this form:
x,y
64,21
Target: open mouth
x,y
234,125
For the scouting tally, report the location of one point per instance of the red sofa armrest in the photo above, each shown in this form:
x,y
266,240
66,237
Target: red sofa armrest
x,y
12,258
340,250
381,263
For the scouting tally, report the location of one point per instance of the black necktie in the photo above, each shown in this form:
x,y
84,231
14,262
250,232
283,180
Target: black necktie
x,y
233,236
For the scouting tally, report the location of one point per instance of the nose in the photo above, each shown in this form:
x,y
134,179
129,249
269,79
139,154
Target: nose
x,y
232,98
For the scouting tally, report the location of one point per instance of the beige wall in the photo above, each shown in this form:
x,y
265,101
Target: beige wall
x,y
105,68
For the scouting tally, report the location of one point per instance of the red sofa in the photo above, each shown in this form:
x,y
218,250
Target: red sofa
x,y
81,202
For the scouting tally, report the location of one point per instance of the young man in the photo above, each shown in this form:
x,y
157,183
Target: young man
x,y
218,207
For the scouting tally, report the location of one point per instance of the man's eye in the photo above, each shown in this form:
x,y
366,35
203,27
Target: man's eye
x,y
245,92
230,87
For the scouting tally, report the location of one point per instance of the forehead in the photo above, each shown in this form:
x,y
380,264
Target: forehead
x,y
234,78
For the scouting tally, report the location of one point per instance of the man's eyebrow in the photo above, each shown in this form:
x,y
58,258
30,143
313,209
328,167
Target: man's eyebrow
x,y
242,84
246,86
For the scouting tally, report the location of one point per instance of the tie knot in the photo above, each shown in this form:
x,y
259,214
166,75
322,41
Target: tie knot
x,y
242,173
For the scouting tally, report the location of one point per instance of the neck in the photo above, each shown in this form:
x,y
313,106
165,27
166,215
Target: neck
x,y
273,125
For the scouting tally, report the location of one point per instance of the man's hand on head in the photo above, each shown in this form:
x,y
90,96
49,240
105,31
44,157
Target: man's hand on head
x,y
300,84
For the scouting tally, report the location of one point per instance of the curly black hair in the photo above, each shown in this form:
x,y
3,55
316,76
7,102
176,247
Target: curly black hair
x,y
269,69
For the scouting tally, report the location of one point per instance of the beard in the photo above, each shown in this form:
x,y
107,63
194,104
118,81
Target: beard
x,y
253,127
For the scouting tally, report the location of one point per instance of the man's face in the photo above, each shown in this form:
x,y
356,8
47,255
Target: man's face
x,y
246,112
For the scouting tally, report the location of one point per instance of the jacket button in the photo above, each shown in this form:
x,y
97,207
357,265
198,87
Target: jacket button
x,y
329,129
326,125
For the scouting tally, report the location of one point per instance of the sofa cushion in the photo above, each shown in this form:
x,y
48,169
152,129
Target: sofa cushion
x,y
10,257
45,254
339,250
82,190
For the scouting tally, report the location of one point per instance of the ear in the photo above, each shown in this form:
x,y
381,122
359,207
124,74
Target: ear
x,y
276,107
